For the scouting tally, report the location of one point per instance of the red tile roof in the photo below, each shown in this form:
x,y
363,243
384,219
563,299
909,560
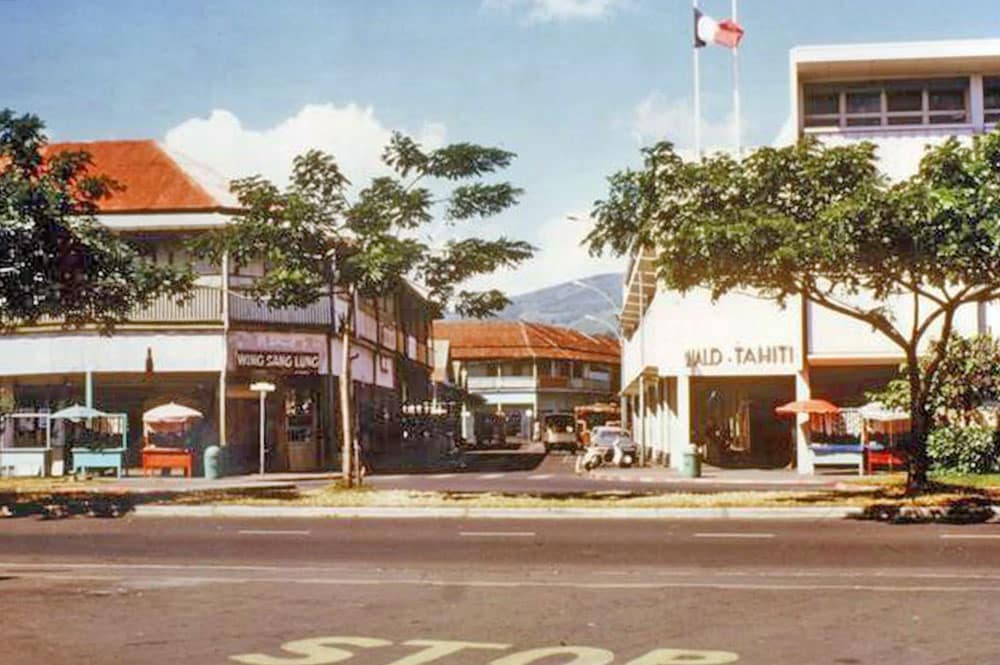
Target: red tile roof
x,y
154,179
509,340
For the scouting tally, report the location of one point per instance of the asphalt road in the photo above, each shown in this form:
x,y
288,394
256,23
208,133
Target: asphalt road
x,y
470,592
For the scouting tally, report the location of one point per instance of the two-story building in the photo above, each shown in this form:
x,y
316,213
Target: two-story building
x,y
691,366
527,369
204,352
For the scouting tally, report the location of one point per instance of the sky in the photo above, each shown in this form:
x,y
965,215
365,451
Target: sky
x,y
574,87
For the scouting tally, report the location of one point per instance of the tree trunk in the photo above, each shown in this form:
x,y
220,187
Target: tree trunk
x,y
917,462
346,415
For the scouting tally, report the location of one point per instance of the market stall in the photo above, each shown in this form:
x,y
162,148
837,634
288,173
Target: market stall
x,y
881,430
25,444
166,440
96,440
834,433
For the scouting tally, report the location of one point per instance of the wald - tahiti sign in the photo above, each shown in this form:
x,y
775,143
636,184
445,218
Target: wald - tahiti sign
x,y
289,362
740,356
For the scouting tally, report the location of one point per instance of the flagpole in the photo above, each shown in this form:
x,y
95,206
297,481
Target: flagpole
x,y
697,94
736,89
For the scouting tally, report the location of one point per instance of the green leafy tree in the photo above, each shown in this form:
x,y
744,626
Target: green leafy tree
x,y
56,260
822,223
319,236
967,378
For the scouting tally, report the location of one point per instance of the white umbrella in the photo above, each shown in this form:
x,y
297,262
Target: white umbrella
x,y
78,412
875,411
171,413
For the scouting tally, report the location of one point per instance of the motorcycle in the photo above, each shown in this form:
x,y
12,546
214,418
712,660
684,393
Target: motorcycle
x,y
620,453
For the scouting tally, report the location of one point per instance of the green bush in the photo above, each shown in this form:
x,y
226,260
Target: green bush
x,y
965,449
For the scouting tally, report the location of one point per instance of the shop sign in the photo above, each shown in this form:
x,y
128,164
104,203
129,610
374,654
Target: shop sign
x,y
740,355
287,362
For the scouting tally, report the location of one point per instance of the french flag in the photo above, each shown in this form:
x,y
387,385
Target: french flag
x,y
709,31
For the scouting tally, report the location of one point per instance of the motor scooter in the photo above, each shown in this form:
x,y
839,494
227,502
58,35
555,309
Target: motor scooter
x,y
596,455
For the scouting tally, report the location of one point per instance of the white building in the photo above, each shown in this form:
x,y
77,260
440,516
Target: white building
x,y
688,364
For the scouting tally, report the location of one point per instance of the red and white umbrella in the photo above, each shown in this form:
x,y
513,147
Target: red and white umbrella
x,y
810,406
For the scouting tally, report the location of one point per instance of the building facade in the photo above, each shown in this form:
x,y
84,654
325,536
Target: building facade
x,y
525,369
692,368
205,352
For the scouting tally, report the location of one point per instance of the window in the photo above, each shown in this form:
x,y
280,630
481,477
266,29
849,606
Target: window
x,y
890,103
991,98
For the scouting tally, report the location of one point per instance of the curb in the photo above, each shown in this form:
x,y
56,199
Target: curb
x,y
735,483
221,510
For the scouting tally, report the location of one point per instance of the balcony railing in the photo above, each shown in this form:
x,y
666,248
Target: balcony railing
x,y
203,305
247,310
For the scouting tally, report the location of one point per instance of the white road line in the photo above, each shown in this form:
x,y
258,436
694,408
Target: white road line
x,y
540,476
734,535
497,534
491,476
274,532
392,476
510,584
442,476
971,536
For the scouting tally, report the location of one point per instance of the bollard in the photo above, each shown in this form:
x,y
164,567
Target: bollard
x,y
213,462
691,463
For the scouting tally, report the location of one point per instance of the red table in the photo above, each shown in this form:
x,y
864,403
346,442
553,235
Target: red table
x,y
167,458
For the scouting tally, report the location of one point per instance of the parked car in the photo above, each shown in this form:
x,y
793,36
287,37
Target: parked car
x,y
607,438
559,431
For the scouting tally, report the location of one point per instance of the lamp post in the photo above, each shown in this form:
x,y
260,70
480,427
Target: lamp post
x,y
262,388
605,323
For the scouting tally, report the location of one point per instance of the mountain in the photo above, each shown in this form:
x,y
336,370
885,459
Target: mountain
x,y
569,304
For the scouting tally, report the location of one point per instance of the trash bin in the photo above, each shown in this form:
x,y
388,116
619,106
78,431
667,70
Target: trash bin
x,y
691,463
213,462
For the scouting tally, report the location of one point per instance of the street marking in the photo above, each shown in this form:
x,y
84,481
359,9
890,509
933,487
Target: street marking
x,y
497,534
391,476
971,536
734,535
274,532
442,476
491,476
506,584
540,476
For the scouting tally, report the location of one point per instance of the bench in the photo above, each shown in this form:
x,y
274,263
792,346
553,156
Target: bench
x,y
167,458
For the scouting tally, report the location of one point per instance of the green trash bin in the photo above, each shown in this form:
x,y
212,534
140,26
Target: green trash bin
x,y
691,463
213,462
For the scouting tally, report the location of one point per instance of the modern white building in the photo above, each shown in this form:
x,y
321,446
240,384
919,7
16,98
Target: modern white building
x,y
689,366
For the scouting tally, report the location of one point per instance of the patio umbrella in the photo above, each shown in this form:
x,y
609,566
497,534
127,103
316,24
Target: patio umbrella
x,y
172,413
875,411
78,412
810,406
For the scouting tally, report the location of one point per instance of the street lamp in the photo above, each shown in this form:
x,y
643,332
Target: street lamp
x,y
262,388
590,287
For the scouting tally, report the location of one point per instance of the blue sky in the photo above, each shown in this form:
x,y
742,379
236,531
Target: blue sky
x,y
573,86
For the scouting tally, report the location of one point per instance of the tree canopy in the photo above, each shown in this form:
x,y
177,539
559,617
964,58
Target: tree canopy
x,y
319,234
822,222
56,260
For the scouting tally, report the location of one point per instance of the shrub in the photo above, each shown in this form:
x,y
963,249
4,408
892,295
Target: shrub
x,y
964,449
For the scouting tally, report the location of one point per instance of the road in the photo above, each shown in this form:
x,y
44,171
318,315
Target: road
x,y
499,592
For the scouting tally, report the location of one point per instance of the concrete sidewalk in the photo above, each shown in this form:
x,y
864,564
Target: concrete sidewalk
x,y
734,479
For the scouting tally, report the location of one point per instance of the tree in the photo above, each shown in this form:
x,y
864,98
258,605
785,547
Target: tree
x,y
967,378
320,237
56,260
822,223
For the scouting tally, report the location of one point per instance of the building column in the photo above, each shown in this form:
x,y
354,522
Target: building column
x,y
681,438
642,417
803,456
661,420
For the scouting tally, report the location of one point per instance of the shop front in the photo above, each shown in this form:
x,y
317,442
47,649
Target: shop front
x,y
298,414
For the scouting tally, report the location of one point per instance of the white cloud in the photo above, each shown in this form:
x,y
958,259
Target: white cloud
x,y
560,258
656,118
545,11
351,133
